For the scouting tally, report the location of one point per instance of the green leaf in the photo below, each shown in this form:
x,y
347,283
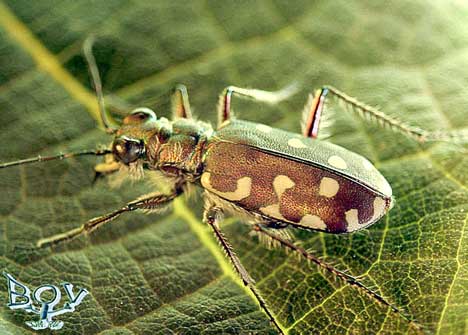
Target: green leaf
x,y
160,274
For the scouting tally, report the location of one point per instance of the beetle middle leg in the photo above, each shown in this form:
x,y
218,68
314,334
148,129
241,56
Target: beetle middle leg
x,y
263,230
212,217
224,107
152,202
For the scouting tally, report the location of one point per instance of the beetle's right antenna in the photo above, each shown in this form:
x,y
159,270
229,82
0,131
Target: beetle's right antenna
x,y
108,122
61,156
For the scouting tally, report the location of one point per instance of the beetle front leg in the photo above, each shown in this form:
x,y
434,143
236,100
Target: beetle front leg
x,y
153,202
212,216
260,228
108,167
180,103
224,107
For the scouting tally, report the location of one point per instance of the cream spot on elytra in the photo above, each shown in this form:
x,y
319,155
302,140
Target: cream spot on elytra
x,y
272,211
263,128
296,143
244,186
352,220
313,221
379,207
328,187
338,162
281,183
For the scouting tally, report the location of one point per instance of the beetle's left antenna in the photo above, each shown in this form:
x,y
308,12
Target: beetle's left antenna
x,y
108,122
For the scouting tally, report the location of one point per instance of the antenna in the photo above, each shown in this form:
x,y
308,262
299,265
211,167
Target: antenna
x,y
108,122
55,157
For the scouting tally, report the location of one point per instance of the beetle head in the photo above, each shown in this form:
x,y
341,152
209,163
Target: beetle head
x,y
130,142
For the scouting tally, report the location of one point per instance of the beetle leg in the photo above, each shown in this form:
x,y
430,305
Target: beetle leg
x,y
312,113
315,109
260,228
109,166
180,103
153,202
224,107
212,216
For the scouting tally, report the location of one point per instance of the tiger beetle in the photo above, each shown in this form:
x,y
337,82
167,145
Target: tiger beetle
x,y
271,178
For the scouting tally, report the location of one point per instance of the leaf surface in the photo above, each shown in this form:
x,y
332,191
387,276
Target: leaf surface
x,y
160,274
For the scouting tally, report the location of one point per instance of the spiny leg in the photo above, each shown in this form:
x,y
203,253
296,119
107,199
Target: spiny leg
x,y
152,202
315,109
224,107
340,274
212,216
180,103
312,113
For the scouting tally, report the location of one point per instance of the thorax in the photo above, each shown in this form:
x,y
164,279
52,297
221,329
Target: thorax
x,y
179,151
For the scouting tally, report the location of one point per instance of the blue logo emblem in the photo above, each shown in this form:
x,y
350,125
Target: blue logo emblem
x,y
20,298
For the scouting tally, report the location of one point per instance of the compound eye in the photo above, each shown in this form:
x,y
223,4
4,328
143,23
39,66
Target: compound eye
x,y
127,150
140,115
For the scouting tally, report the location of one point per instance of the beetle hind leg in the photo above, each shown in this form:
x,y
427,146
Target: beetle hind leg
x,y
277,239
314,111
